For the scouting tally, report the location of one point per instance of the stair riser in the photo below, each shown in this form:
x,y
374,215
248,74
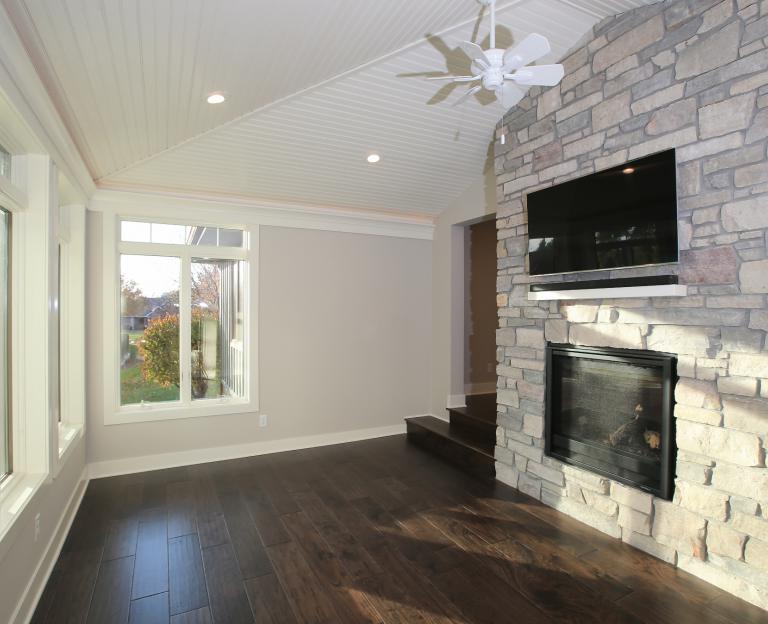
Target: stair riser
x,y
481,402
482,429
471,462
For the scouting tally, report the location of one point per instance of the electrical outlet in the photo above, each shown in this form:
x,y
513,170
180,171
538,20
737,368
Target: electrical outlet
x,y
263,420
37,527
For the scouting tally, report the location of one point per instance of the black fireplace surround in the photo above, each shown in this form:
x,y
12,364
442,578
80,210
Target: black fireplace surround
x,y
609,411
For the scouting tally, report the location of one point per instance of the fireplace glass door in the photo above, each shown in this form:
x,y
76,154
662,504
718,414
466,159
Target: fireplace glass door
x,y
609,410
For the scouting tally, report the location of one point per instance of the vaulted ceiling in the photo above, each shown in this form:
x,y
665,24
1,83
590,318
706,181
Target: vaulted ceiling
x,y
312,87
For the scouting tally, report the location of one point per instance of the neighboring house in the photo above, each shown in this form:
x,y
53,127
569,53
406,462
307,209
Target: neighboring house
x,y
133,323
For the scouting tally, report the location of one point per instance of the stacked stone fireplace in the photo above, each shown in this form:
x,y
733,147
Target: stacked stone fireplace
x,y
690,75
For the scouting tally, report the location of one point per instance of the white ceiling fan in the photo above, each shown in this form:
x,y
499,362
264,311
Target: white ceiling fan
x,y
507,73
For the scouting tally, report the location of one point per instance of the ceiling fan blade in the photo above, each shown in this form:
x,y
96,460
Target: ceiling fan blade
x,y
469,93
511,94
530,49
544,75
474,52
456,78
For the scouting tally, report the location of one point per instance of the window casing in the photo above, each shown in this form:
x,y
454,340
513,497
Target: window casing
x,y
5,345
178,340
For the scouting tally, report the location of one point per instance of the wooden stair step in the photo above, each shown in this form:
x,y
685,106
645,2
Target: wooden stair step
x,y
471,423
455,446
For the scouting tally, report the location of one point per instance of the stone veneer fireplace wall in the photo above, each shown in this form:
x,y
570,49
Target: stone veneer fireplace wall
x,y
691,75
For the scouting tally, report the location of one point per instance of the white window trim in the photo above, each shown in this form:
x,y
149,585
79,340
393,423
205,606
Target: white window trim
x,y
31,199
71,308
112,247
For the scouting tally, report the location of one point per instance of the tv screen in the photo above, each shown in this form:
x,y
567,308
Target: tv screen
x,y
621,217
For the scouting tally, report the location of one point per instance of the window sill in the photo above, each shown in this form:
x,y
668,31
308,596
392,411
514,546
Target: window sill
x,y
130,415
68,435
15,494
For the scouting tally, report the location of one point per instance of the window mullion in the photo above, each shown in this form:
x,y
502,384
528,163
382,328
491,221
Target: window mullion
x,y
185,329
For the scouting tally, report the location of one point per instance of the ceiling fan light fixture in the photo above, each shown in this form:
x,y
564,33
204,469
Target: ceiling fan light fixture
x,y
216,98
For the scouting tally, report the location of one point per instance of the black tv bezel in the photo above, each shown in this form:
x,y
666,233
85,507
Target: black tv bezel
x,y
629,163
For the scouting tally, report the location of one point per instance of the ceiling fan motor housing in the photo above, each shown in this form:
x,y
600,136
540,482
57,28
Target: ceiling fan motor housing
x,y
493,76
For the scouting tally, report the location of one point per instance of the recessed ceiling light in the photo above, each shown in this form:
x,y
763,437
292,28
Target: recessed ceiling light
x,y
628,170
373,158
216,98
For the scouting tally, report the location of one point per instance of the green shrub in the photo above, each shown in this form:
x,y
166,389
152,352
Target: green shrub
x,y
160,349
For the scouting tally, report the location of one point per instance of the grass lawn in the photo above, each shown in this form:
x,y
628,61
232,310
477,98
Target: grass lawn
x,y
134,388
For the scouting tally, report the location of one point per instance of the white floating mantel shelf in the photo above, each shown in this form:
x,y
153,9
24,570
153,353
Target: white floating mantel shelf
x,y
608,292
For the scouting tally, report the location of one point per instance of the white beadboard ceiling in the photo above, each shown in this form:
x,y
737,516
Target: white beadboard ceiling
x,y
312,86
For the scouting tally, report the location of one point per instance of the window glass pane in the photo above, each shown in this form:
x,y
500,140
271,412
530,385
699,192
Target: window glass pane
x,y
230,238
202,235
218,360
149,329
169,234
5,412
135,232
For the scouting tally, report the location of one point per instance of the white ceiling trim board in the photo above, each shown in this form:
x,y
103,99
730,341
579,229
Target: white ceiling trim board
x,y
177,206
28,97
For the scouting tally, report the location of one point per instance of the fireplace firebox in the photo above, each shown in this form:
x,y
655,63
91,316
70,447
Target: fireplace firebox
x,y
610,411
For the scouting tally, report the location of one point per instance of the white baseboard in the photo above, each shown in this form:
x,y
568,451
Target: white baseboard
x,y
131,465
34,590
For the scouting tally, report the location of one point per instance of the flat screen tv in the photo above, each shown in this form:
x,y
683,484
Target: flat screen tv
x,y
621,217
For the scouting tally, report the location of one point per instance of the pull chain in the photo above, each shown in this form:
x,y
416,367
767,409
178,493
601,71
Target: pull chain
x,y
503,139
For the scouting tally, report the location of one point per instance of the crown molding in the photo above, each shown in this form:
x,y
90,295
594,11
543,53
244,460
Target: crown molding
x,y
261,212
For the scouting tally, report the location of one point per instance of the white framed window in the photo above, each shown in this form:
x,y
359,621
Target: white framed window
x,y
29,196
179,312
70,327
6,446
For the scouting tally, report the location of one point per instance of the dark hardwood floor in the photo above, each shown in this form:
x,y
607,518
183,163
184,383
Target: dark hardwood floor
x,y
375,531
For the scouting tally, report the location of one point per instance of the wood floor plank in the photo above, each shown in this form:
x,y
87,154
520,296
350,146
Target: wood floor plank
x,y
121,540
350,553
316,550
477,591
199,616
180,500
268,601
186,577
279,497
251,556
391,600
150,610
76,573
549,554
228,601
150,575
307,596
212,529
661,606
263,514
112,594
737,611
